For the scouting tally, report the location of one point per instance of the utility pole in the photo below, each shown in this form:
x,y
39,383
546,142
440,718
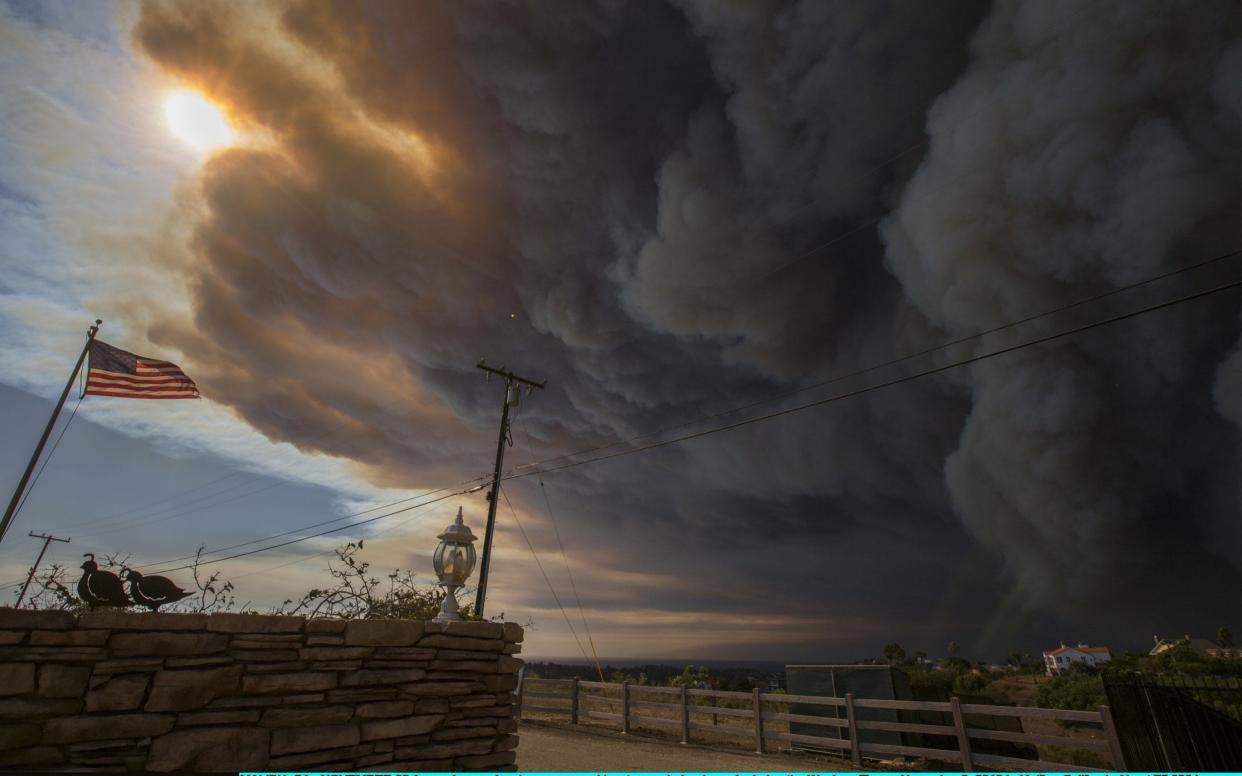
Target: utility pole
x,y
512,393
34,459
47,539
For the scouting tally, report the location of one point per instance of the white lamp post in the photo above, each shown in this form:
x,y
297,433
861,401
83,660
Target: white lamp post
x,y
453,561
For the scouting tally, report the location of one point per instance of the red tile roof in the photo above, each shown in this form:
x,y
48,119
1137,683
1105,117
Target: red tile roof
x,y
1096,650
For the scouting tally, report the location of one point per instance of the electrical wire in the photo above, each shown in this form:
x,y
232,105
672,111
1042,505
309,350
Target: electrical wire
x,y
304,558
179,496
299,529
156,502
317,525
897,381
198,505
768,416
296,530
892,362
780,413
48,457
315,535
561,545
539,563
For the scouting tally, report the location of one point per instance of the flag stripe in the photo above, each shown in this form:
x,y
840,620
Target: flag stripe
x,y
138,391
193,395
150,389
97,376
132,386
140,367
141,388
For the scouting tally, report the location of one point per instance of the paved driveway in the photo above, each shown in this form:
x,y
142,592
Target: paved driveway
x,y
556,748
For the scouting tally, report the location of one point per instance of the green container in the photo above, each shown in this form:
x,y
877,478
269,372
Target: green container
x,y
871,682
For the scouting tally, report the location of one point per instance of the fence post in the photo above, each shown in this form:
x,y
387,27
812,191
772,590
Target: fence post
x,y
517,712
1114,743
963,740
625,708
573,703
855,753
685,716
758,722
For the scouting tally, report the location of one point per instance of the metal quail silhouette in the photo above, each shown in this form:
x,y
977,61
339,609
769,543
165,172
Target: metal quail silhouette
x,y
100,588
152,592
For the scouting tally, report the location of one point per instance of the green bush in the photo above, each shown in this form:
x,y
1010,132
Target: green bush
x,y
931,680
1077,690
972,682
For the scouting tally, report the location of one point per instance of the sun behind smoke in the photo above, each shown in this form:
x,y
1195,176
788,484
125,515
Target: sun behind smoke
x,y
196,121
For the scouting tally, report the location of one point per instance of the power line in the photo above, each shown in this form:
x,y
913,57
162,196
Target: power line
x,y
195,506
197,499
304,528
304,558
561,545
42,466
157,502
887,383
317,535
47,539
539,563
892,362
316,525
760,418
772,415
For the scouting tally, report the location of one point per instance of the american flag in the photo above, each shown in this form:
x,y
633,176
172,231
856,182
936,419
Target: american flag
x,y
115,372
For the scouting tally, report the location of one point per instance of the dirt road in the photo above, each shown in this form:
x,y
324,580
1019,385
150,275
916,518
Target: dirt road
x,y
553,748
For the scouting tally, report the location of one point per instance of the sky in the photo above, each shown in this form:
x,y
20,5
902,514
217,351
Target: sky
x,y
681,215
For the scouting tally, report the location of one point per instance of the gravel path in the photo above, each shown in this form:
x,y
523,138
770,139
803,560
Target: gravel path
x,y
555,748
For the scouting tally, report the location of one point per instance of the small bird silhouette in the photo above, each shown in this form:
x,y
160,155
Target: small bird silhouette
x,y
152,592
100,588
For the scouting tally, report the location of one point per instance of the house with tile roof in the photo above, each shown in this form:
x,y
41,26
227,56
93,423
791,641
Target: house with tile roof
x,y
1202,646
1061,658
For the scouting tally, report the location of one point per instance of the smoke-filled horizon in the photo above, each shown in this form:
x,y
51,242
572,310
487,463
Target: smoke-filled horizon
x,y
671,209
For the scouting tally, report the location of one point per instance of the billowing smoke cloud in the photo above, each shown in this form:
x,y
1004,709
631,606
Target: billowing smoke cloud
x,y
628,199
1085,147
823,101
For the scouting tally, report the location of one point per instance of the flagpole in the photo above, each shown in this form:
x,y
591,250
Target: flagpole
x,y
47,432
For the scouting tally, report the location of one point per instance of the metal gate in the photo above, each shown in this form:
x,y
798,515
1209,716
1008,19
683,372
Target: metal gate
x,y
1184,723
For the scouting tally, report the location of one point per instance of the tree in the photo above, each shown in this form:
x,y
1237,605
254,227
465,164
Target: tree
x,y
954,649
972,682
1224,638
1032,665
693,678
956,665
358,595
894,654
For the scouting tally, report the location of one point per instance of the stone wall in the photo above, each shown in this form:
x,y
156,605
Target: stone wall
x,y
114,690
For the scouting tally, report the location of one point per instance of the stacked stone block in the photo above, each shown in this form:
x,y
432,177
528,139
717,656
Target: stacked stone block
x,y
113,690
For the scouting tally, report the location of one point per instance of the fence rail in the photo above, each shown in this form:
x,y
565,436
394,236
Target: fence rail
x,y
623,702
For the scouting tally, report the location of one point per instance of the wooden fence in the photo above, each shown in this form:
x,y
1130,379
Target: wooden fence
x,y
684,711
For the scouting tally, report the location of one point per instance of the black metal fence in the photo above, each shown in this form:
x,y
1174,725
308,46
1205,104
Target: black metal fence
x,y
1185,723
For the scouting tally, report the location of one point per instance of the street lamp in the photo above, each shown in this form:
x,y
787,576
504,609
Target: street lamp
x,y
453,561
